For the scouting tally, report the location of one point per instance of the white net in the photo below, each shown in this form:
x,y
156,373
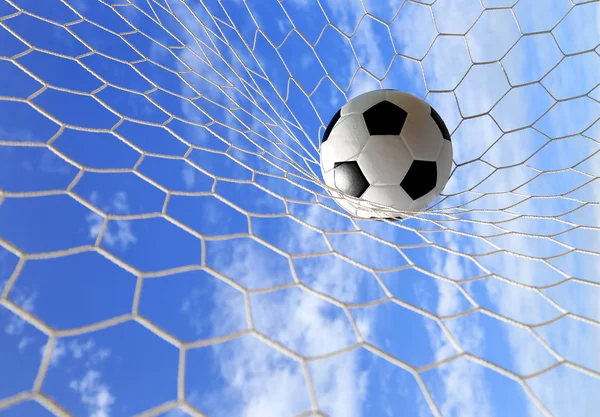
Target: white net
x,y
167,246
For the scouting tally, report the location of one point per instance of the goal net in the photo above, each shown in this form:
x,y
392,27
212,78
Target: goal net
x,y
168,246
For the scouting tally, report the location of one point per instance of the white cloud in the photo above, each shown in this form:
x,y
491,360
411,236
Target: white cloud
x,y
24,342
329,275
567,392
341,384
18,135
94,394
303,322
514,299
54,164
119,203
121,237
58,352
188,175
346,13
257,383
119,232
95,222
366,45
249,267
464,389
192,306
76,349
26,302
15,325
462,386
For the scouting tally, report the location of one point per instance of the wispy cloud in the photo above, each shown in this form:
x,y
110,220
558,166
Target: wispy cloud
x,y
188,174
94,394
250,264
58,352
464,389
24,342
462,386
77,349
15,326
121,235
255,380
342,385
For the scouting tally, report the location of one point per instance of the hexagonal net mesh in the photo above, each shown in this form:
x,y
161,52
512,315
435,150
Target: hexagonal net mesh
x,y
173,145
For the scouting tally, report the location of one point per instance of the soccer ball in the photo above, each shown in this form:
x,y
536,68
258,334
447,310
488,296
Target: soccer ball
x,y
385,153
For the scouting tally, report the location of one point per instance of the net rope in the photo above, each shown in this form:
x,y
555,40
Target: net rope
x,y
285,149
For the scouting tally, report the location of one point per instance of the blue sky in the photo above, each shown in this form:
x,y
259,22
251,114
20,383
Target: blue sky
x,y
165,246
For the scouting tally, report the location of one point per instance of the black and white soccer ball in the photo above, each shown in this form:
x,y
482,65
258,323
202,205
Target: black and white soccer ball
x,y
386,153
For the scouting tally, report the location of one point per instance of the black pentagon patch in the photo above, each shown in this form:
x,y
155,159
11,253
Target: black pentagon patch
x,y
420,179
349,178
385,118
332,123
383,219
440,124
